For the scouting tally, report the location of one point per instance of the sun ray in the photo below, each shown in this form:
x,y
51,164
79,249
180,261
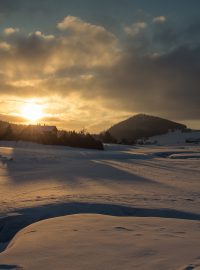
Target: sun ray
x,y
32,111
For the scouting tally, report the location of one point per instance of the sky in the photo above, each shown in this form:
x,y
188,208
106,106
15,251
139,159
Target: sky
x,y
87,64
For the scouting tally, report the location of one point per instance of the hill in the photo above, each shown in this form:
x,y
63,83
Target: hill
x,y
143,126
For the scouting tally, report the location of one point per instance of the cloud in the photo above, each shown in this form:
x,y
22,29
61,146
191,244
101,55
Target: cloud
x,y
47,37
79,27
9,31
4,46
160,19
92,72
40,55
76,24
165,84
12,118
135,28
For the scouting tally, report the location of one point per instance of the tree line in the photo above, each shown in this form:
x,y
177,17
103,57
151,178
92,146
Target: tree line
x,y
82,139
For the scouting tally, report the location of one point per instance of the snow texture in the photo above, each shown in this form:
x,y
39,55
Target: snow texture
x,y
123,208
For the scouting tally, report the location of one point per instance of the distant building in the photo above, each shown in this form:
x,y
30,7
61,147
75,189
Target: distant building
x,y
51,130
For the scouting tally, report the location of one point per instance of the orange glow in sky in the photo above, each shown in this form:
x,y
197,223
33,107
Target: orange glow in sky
x,y
32,111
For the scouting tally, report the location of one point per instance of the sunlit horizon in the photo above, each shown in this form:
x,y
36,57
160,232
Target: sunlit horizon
x,y
90,72
32,111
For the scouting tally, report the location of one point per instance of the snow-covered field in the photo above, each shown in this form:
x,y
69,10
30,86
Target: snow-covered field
x,y
175,137
136,207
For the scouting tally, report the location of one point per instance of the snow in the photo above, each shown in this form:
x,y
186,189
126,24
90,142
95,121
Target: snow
x,y
103,242
150,196
176,137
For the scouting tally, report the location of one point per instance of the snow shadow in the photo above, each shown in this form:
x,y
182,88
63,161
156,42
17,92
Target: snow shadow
x,y
10,225
69,167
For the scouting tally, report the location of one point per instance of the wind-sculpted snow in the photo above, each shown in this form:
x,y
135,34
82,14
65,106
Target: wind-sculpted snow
x,y
147,184
33,175
91,241
10,225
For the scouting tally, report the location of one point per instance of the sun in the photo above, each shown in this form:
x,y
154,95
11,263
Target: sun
x,y
32,111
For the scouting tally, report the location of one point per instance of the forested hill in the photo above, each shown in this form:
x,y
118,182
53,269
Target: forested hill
x,y
143,126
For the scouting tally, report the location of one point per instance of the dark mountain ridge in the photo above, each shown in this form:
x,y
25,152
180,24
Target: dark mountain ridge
x,y
143,126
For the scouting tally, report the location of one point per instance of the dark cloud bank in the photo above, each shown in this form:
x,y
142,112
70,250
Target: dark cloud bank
x,y
158,74
167,84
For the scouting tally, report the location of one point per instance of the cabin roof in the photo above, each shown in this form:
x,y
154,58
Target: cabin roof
x,y
45,128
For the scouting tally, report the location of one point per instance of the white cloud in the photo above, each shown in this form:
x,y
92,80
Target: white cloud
x,y
47,37
159,19
9,31
71,22
76,24
4,46
135,28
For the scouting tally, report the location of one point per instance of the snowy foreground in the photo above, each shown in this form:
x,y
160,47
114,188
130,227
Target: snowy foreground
x,y
123,208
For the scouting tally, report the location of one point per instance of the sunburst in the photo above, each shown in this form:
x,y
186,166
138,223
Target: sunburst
x,y
32,111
